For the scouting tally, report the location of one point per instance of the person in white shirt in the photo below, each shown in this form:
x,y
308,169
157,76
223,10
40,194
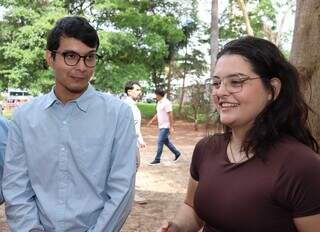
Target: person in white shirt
x,y
165,123
133,92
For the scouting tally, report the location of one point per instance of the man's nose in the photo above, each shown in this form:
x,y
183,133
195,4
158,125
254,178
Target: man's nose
x,y
81,64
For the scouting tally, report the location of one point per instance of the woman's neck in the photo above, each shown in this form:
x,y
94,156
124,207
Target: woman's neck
x,y
235,152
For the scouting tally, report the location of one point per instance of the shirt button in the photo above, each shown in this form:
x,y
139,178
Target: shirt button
x,y
62,149
64,122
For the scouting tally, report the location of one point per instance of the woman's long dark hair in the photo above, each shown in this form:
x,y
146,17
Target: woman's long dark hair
x,y
285,115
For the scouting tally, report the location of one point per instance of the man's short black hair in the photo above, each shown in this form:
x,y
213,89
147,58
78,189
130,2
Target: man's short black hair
x,y
129,85
160,92
72,27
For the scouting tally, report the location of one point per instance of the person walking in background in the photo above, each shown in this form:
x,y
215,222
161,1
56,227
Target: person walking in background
x,y
164,116
70,158
263,173
3,143
133,91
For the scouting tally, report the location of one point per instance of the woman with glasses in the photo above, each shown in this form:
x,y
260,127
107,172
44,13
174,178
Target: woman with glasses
x,y
263,173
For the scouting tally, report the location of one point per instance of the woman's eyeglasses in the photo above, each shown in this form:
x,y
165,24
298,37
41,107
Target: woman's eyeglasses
x,y
232,83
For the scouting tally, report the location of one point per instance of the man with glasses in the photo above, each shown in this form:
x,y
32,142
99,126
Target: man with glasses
x,y
70,161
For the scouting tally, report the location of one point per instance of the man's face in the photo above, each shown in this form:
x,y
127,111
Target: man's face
x,y
135,92
71,81
158,97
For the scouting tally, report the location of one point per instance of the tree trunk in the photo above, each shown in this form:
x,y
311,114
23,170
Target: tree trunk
x,y
214,48
183,81
169,79
214,39
182,93
305,55
243,8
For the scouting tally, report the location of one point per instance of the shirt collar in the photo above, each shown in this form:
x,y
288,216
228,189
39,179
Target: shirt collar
x,y
162,99
129,99
50,99
82,101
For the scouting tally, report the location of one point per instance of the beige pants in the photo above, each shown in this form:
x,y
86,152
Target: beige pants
x,y
138,159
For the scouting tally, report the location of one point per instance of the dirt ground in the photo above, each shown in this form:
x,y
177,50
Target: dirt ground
x,y
163,186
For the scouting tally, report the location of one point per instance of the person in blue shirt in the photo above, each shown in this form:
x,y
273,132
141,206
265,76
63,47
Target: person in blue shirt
x,y
70,159
3,142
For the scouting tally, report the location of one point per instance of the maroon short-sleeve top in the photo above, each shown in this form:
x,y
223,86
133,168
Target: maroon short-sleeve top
x,y
256,195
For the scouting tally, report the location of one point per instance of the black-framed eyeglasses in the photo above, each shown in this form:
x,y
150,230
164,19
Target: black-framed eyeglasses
x,y
232,83
72,58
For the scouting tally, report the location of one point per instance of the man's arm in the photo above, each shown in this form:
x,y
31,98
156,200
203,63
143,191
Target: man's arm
x,y
3,143
21,209
152,119
141,142
170,115
120,182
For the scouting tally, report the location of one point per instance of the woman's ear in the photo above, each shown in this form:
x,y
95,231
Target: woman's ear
x,y
276,85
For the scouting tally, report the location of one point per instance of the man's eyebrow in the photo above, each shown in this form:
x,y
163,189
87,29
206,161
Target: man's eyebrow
x,y
69,50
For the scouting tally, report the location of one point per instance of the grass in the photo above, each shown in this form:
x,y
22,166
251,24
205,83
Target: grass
x,y
7,114
147,109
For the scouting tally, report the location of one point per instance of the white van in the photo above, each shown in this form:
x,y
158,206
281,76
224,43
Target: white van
x,y
16,97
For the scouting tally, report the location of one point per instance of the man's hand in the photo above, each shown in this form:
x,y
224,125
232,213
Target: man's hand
x,y
142,145
171,130
152,119
169,227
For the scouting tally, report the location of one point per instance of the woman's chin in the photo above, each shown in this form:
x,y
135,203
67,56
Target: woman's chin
x,y
227,121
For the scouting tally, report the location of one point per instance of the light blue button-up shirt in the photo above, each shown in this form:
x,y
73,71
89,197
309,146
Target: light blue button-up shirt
x,y
3,142
70,167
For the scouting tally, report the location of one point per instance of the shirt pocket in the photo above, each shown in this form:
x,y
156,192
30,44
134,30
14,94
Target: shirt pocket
x,y
93,157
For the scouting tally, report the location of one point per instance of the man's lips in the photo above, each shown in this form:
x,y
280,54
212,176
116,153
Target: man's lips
x,y
79,77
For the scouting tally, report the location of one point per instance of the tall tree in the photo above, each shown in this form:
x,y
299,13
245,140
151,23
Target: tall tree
x,y
154,28
139,39
193,64
249,17
305,55
214,38
245,14
23,34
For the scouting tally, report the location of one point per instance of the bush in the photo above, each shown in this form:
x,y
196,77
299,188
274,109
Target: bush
x,y
147,109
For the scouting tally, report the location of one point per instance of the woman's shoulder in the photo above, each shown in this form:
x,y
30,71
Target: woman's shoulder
x,y
290,146
294,155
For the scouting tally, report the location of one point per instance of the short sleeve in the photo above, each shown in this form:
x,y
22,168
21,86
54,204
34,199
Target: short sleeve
x,y
198,155
298,184
195,162
168,106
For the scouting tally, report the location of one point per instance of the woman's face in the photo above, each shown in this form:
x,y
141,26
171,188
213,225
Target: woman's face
x,y
238,93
